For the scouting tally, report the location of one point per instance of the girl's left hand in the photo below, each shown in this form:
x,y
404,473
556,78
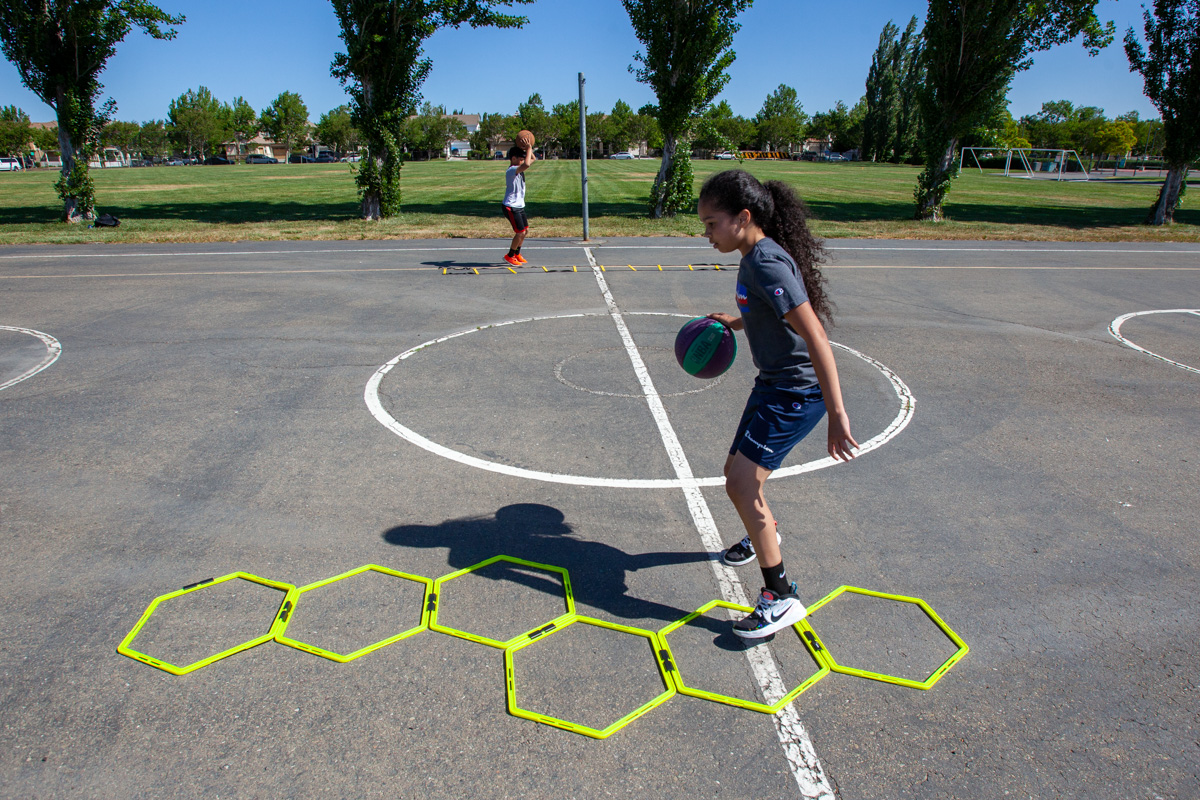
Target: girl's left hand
x,y
840,440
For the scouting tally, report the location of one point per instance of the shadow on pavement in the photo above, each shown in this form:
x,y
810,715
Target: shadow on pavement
x,y
541,534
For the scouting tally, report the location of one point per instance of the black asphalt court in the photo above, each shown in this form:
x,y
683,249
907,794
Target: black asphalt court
x,y
296,410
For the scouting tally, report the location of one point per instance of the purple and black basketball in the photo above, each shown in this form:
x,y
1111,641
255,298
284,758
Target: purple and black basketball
x,y
705,348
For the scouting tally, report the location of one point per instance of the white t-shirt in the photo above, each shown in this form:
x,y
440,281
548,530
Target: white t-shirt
x,y
514,188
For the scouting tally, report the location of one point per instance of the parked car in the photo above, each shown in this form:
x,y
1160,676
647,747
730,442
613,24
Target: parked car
x,y
724,156
326,158
216,160
300,158
622,155
174,162
351,158
11,165
259,158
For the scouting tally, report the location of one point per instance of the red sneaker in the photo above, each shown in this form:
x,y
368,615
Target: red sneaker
x,y
522,259
516,262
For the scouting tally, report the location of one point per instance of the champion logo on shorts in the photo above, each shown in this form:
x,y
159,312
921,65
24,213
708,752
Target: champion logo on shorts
x,y
779,291
797,406
757,444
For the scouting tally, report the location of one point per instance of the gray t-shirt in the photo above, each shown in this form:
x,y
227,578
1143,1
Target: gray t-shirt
x,y
768,286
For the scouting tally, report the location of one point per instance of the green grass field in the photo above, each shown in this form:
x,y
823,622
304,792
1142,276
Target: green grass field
x,y
447,199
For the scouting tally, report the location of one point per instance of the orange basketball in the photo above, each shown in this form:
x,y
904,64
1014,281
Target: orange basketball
x,y
525,139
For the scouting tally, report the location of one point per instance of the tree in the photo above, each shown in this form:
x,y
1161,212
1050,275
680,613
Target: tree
x,y
60,47
781,120
286,120
15,132
121,135
686,52
336,131
196,122
45,139
489,134
892,118
433,129
1169,64
532,116
910,74
1149,133
1114,138
243,123
879,124
644,128
971,50
618,128
152,140
841,125
564,128
383,70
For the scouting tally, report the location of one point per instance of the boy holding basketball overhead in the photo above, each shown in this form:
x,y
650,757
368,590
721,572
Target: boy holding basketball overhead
x,y
520,158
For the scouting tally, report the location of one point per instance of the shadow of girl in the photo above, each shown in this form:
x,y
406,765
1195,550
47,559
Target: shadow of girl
x,y
541,534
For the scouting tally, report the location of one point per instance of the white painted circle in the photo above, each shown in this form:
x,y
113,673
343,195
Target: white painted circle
x,y
1115,330
565,381
371,395
53,351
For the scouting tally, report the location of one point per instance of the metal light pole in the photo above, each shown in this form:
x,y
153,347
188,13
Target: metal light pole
x,y
583,154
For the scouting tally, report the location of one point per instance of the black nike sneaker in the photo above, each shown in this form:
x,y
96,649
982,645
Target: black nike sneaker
x,y
743,552
772,613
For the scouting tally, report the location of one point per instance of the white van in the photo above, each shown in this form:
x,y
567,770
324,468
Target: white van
x,y
11,165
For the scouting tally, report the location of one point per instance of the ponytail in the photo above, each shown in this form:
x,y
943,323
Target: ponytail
x,y
778,210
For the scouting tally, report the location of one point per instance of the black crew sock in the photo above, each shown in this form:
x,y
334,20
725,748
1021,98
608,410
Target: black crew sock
x,y
775,578
512,252
518,251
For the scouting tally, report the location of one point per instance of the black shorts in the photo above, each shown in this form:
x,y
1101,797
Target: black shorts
x,y
516,218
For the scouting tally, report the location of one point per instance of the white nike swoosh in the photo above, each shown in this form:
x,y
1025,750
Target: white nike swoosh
x,y
775,617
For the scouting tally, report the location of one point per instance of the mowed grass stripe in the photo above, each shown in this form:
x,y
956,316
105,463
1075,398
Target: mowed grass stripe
x,y
444,199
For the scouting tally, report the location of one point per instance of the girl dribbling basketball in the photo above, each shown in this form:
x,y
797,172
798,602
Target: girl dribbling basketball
x,y
783,305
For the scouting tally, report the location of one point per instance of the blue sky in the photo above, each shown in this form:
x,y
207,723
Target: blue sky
x,y
821,49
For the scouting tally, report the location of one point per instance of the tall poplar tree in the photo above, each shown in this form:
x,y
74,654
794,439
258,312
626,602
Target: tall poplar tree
x,y
383,70
971,51
686,52
879,123
1170,66
60,47
909,78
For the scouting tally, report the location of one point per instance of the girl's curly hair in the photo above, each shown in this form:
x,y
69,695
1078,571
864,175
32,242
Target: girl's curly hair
x,y
778,210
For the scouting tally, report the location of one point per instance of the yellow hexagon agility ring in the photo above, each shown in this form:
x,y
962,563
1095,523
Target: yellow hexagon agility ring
x,y
287,602
933,678
421,618
806,634
659,653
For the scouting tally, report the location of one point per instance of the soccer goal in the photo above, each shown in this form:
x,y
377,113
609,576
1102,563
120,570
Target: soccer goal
x,y
1027,162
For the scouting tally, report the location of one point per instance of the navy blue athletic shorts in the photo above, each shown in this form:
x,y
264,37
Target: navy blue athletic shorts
x,y
775,420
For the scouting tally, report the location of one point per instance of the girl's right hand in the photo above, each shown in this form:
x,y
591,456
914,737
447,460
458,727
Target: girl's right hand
x,y
728,320
841,443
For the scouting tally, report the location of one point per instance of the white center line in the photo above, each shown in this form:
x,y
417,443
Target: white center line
x,y
797,745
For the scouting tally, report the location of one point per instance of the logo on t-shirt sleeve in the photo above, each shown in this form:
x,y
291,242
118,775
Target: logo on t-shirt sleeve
x,y
779,292
743,298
